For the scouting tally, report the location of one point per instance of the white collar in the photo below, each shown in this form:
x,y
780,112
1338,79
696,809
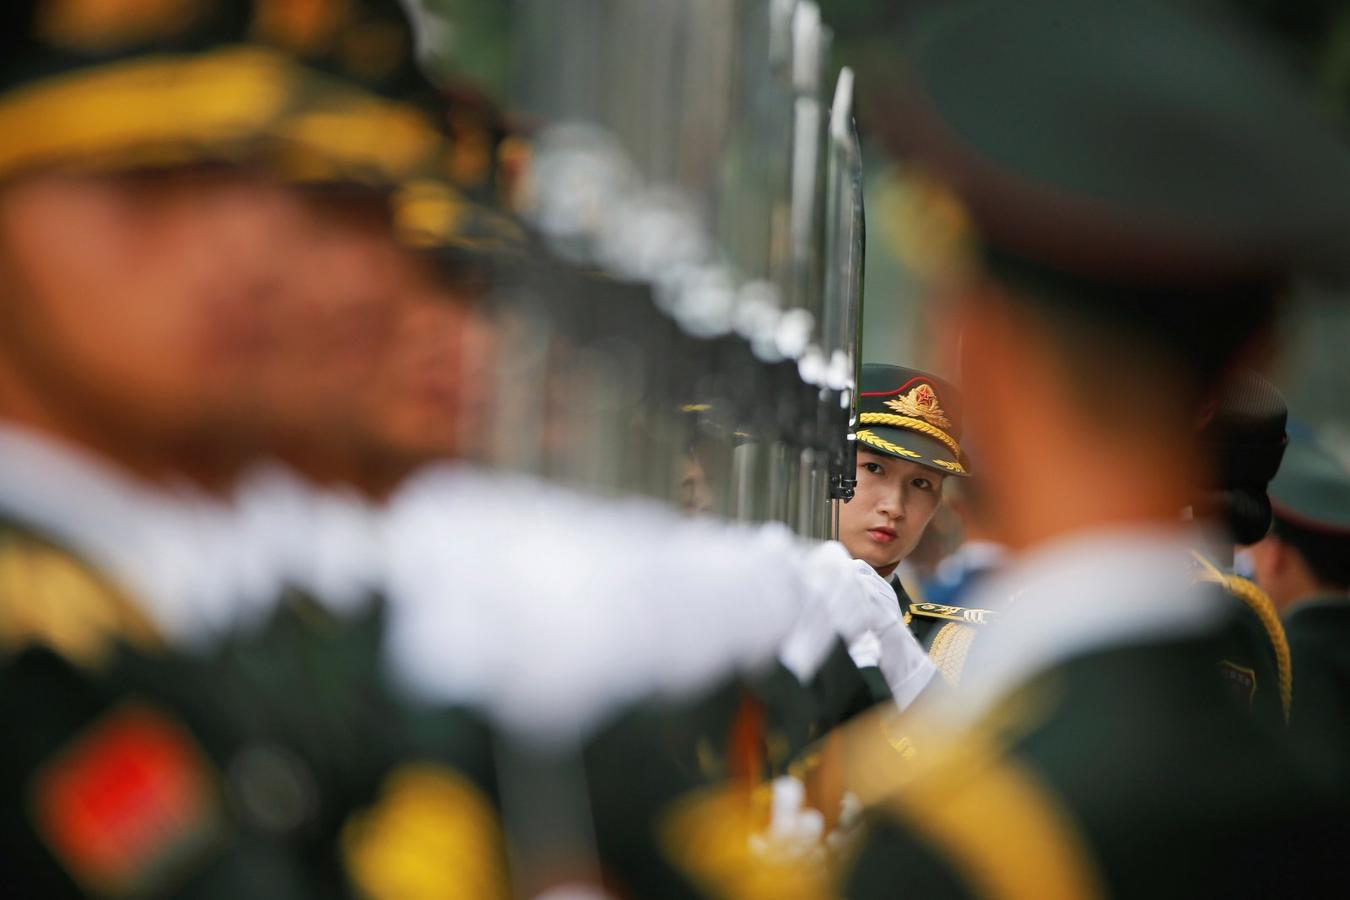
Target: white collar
x,y
325,541
1081,594
163,545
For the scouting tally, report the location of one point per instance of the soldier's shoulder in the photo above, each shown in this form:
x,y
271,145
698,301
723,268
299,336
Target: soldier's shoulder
x,y
949,823
50,597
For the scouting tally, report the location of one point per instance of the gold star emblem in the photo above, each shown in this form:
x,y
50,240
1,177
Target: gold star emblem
x,y
921,403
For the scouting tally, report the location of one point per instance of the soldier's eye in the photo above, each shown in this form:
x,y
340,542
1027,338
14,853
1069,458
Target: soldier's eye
x,y
872,467
923,484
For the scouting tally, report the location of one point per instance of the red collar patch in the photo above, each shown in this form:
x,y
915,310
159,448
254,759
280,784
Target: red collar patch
x,y
130,799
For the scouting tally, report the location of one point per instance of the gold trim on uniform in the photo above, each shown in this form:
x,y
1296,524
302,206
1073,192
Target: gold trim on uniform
x,y
432,835
969,615
957,793
1264,609
49,598
950,647
961,808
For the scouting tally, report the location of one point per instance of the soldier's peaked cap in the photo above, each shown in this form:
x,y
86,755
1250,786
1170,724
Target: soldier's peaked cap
x,y
1151,139
1312,489
911,415
316,90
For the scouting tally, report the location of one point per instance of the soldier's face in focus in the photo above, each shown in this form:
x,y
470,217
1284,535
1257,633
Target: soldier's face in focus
x,y
894,501
136,300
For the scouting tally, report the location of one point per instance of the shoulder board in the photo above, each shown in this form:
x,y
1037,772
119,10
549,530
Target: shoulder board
x,y
50,598
966,614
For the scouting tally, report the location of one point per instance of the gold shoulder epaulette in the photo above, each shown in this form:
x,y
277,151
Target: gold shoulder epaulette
x,y
968,615
949,650
1264,609
48,597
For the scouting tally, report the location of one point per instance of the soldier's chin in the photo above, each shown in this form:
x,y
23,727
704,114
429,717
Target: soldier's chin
x,y
875,556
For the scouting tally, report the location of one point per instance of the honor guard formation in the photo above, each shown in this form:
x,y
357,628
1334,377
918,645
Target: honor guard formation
x,y
439,459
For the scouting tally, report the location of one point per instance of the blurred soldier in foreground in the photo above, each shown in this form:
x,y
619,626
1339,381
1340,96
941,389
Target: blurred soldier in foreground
x,y
1304,564
1130,256
174,181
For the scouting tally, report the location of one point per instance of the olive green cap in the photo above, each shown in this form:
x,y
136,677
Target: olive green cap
x,y
911,415
1151,142
1312,489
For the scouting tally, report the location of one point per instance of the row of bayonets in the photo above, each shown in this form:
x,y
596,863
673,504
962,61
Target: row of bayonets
x,y
700,344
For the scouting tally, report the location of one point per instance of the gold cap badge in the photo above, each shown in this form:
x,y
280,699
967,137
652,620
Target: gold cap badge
x,y
921,403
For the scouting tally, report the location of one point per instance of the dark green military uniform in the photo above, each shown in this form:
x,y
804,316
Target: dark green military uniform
x,y
274,761
1311,502
1317,628
1082,782
1096,750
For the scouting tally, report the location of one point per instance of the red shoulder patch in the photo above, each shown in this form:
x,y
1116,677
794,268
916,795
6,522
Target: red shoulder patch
x,y
131,799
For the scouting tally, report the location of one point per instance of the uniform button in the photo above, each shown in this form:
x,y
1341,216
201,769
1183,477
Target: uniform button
x,y
271,789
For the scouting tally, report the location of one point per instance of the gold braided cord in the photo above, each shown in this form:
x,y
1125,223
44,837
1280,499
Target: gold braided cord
x,y
960,808
912,424
1259,603
950,646
871,438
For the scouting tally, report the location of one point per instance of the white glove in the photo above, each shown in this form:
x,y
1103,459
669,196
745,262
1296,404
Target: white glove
x,y
830,575
808,644
833,605
902,660
865,651
904,664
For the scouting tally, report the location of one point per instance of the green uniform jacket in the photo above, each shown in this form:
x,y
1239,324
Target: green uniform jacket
x,y
1129,772
1319,643
274,763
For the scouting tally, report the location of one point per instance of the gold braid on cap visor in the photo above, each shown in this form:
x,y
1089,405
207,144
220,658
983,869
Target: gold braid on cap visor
x,y
880,443
170,109
912,424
